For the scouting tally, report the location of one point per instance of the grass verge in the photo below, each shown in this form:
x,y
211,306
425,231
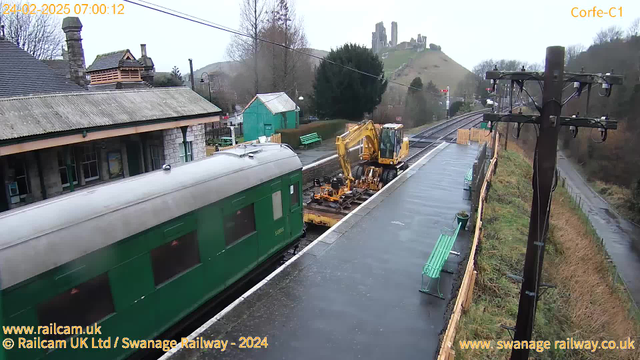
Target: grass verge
x,y
621,198
586,305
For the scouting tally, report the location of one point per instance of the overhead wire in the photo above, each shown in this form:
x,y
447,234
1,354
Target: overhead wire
x,y
191,18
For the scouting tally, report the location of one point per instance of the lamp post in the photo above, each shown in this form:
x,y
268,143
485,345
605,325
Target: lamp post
x,y
208,83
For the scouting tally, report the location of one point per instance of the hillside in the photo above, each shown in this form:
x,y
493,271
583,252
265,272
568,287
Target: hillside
x,y
428,65
231,68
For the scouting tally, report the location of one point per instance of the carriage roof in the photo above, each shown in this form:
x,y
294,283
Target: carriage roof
x,y
47,234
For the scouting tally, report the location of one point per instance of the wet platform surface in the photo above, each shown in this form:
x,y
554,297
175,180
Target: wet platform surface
x,y
354,292
316,152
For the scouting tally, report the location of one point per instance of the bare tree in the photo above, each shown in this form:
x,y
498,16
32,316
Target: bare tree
x,y
243,49
287,68
610,34
38,34
634,28
572,52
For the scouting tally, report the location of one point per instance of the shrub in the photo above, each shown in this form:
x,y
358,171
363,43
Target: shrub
x,y
326,129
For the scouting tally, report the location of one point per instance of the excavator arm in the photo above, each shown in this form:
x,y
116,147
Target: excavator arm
x,y
365,130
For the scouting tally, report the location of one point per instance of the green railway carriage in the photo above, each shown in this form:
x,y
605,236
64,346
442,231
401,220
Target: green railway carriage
x,y
137,255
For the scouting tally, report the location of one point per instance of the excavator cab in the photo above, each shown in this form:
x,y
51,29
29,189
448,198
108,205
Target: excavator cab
x,y
392,144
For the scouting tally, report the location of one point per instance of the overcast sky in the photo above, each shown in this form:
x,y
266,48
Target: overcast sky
x,y
468,31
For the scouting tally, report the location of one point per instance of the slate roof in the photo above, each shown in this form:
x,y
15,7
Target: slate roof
x,y
120,85
21,74
61,67
113,60
46,114
276,102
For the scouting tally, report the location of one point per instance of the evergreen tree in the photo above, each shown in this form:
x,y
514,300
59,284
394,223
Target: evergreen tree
x,y
344,93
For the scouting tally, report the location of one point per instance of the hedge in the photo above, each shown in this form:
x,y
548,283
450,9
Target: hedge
x,y
327,129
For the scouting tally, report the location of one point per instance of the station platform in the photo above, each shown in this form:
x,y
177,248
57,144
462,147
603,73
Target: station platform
x,y
317,152
353,293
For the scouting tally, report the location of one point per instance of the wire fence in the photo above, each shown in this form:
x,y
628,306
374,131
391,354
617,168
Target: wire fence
x,y
579,203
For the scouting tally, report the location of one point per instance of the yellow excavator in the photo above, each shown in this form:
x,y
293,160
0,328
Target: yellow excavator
x,y
383,153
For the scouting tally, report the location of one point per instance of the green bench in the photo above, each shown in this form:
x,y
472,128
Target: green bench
x,y
468,181
435,263
310,139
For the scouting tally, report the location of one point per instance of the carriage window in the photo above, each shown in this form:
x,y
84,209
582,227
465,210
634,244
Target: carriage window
x,y
295,194
239,224
83,305
175,257
276,200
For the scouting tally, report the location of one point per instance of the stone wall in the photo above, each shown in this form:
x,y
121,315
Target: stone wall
x,y
173,141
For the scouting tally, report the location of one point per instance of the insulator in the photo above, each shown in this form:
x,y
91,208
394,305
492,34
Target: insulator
x,y
603,134
573,130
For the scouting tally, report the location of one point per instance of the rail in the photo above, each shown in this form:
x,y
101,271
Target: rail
x,y
465,294
455,129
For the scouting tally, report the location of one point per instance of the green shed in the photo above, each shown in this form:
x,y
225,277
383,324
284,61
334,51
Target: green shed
x,y
267,113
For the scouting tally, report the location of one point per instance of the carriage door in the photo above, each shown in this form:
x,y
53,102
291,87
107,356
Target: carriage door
x,y
294,205
272,223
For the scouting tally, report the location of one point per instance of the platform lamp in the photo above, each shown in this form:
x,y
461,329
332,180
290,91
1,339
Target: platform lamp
x,y
208,83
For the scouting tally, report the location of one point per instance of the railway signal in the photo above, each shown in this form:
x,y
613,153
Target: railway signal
x,y
549,122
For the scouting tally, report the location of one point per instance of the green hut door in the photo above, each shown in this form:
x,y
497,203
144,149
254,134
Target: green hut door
x,y
268,129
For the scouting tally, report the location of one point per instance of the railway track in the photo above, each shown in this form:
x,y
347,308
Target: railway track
x,y
441,132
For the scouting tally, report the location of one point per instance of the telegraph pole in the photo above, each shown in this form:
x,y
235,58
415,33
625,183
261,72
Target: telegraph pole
x,y
193,85
544,165
544,179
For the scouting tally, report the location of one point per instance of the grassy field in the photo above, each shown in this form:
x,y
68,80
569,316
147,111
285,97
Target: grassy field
x,y
429,65
586,305
395,59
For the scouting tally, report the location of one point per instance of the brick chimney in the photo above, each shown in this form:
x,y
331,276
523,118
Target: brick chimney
x,y
72,28
149,70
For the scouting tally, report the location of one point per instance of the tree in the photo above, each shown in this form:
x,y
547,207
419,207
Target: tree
x,y
455,107
634,28
344,93
609,34
289,71
38,34
174,78
242,48
175,74
267,66
434,107
572,52
416,113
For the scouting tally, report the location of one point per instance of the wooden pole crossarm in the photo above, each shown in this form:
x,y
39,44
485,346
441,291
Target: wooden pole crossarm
x,y
514,75
584,78
597,123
